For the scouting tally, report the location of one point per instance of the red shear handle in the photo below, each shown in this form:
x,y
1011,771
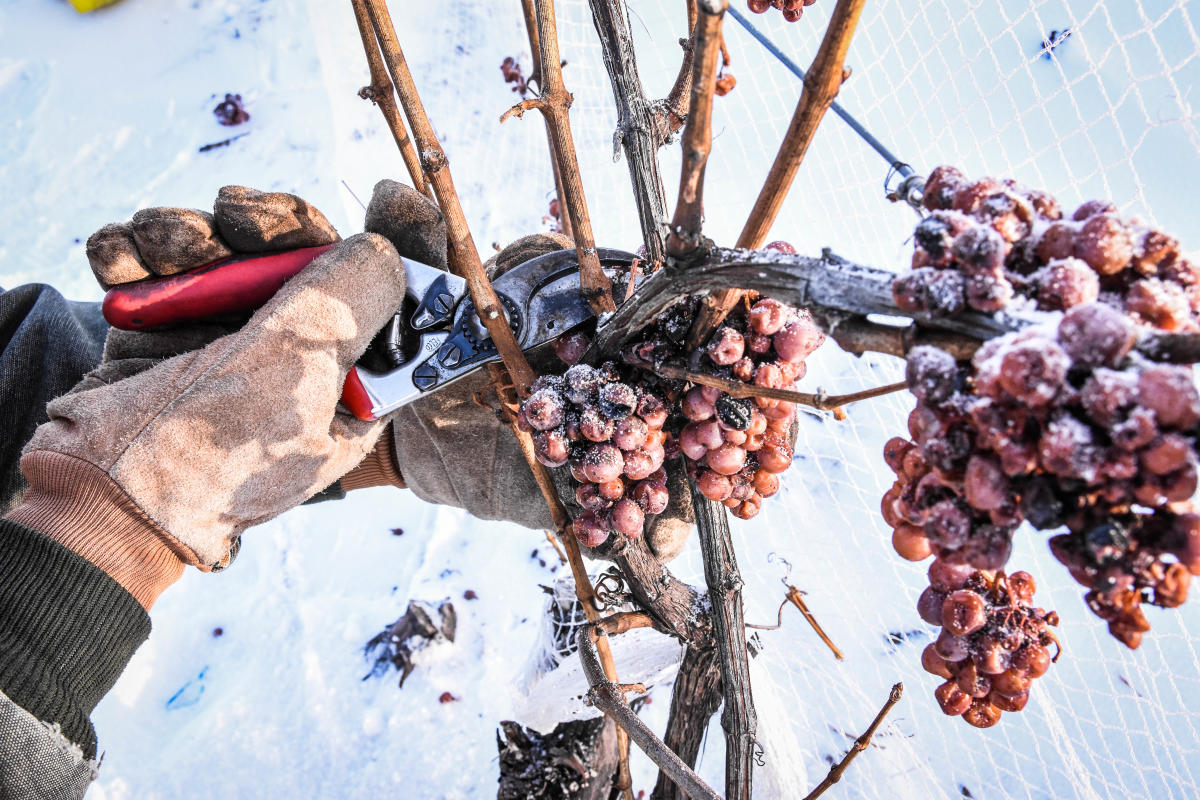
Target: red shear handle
x,y
237,286
355,398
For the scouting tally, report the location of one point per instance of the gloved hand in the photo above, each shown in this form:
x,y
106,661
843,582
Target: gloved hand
x,y
181,439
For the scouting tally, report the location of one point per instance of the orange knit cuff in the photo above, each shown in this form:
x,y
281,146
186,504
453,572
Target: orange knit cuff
x,y
377,469
79,506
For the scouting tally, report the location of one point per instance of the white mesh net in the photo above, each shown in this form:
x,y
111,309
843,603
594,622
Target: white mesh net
x,y
1108,114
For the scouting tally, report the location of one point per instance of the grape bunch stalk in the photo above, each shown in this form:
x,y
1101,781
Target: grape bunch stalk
x,y
993,642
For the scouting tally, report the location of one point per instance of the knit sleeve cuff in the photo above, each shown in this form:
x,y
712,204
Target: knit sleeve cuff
x,y
67,630
378,468
79,506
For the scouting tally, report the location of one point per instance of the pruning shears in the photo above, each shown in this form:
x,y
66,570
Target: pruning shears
x,y
434,340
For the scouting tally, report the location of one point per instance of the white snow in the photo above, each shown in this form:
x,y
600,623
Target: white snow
x,y
105,115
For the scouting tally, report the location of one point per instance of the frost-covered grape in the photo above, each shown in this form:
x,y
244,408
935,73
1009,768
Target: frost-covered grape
x,y
980,252
1065,284
589,530
595,425
603,462
775,455
627,518
650,496
798,338
941,186
714,486
930,291
696,405
570,348
550,447
963,612
734,413
909,541
726,346
728,459
931,374
1095,335
982,714
544,409
768,316
617,400
630,433
1104,243
1170,392
581,382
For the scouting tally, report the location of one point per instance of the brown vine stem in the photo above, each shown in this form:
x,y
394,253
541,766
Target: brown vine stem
x,y
860,744
821,84
382,93
462,255
672,112
685,240
535,76
554,103
609,698
822,402
635,125
695,697
738,719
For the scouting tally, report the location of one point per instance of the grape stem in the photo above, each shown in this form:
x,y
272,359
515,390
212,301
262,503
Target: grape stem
x,y
796,598
860,744
553,103
820,400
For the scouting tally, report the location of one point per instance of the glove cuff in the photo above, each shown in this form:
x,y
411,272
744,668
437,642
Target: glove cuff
x,y
79,506
379,468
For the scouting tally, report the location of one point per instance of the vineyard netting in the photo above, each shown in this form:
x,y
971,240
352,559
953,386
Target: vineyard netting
x,y
1103,113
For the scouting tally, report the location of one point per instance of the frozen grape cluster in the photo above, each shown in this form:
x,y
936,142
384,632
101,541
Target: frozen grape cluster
x,y
1062,428
987,242
792,9
736,448
993,642
611,435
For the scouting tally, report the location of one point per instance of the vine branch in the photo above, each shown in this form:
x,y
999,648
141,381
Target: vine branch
x,y
462,255
685,239
554,103
609,698
860,744
821,84
382,93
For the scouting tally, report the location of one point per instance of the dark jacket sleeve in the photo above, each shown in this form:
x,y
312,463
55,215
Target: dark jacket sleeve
x,y
67,629
47,343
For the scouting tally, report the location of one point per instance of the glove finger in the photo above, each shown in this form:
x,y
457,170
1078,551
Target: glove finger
x,y
338,301
173,240
523,249
114,257
410,221
255,222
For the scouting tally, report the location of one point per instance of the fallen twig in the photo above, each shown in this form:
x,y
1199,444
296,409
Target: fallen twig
x,y
860,744
204,148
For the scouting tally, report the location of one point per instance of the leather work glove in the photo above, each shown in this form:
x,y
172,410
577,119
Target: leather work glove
x,y
183,438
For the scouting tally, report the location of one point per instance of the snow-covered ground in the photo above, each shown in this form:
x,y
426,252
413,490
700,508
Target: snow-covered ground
x,y
105,114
